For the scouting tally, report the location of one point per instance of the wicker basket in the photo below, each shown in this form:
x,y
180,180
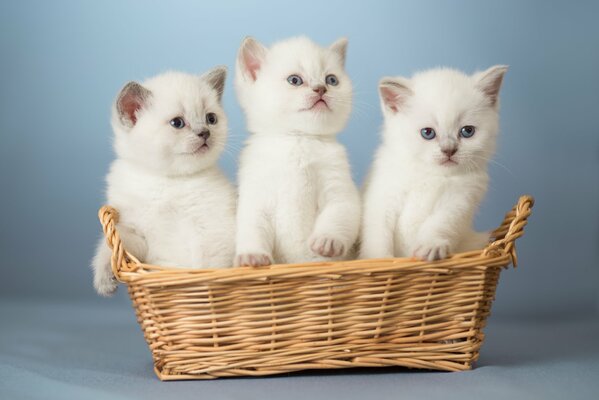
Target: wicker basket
x,y
210,323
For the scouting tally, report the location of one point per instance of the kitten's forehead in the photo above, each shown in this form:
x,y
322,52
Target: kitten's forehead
x,y
303,54
174,89
448,94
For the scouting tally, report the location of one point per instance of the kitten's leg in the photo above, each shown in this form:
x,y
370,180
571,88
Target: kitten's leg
x,y
224,260
219,253
336,228
104,281
133,241
377,240
338,223
198,259
255,236
441,232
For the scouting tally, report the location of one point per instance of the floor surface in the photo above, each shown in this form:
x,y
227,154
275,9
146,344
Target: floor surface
x,y
96,351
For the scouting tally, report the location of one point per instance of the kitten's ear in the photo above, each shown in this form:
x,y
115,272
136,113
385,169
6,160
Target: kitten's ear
x,y
216,79
394,92
340,47
132,98
250,58
489,81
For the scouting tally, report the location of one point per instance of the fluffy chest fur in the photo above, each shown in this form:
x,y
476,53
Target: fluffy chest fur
x,y
185,220
285,171
414,195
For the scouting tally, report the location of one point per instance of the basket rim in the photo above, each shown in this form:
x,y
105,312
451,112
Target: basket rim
x,y
157,276
397,262
498,253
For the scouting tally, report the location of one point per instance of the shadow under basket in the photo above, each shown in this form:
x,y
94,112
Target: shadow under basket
x,y
210,323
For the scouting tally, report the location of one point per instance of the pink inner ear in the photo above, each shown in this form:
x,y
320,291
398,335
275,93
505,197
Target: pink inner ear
x,y
391,98
130,104
252,64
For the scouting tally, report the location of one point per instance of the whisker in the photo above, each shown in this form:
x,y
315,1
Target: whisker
x,y
491,160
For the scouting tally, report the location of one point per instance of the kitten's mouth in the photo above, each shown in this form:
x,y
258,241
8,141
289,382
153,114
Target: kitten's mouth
x,y
449,162
320,104
200,149
203,148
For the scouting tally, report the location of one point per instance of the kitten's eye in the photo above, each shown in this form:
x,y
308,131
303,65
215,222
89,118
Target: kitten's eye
x,y
211,118
467,131
428,133
332,80
177,123
295,80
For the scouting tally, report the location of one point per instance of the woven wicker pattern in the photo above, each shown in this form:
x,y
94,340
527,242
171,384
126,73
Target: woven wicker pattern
x,y
202,324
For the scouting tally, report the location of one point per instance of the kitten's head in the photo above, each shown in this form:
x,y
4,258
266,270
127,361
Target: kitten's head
x,y
294,86
173,123
442,118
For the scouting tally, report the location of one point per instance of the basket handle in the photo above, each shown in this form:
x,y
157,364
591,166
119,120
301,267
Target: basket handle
x,y
511,229
120,257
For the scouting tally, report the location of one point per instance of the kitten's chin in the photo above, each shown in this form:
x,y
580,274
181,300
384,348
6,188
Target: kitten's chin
x,y
191,164
320,120
312,122
448,163
197,150
196,160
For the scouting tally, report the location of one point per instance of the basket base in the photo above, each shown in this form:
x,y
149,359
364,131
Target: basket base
x,y
374,363
181,377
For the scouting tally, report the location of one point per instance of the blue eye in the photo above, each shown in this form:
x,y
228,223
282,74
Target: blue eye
x,y
295,80
211,119
177,123
467,131
332,80
428,133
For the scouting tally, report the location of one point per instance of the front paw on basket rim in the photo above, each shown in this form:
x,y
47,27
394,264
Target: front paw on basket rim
x,y
432,251
327,246
105,286
253,260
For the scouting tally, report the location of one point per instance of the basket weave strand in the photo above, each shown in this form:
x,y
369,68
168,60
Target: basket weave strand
x,y
209,323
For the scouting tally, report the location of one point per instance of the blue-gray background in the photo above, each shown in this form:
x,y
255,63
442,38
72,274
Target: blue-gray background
x,y
62,63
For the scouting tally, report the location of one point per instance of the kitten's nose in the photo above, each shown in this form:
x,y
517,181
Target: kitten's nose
x,y
204,134
320,89
450,151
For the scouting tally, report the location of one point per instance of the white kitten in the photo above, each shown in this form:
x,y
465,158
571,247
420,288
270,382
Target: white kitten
x,y
430,173
176,207
297,200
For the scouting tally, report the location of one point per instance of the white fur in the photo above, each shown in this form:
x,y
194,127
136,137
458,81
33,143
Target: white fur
x,y
414,205
297,200
176,207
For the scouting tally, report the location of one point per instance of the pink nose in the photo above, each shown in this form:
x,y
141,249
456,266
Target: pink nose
x,y
450,152
204,134
320,89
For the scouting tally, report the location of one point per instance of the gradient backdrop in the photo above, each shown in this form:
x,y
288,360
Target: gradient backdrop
x,y
64,61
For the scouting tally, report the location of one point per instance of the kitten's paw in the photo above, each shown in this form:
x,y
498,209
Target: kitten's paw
x,y
327,246
105,285
253,260
104,281
433,250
